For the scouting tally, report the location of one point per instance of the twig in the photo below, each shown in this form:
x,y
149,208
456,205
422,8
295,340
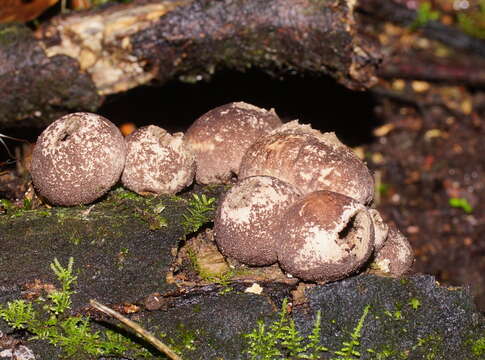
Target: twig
x,y
11,138
137,329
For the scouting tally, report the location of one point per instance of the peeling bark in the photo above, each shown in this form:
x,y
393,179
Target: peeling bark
x,y
81,57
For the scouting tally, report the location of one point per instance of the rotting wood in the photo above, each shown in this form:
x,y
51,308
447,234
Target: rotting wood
x,y
78,58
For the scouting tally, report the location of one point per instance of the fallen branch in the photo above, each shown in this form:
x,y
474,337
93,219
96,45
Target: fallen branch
x,y
466,70
76,59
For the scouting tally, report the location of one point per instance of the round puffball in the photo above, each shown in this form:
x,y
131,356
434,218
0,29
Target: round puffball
x,y
396,256
309,160
157,162
77,159
220,137
324,236
245,219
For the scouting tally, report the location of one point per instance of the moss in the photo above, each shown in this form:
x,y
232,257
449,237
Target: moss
x,y
477,346
220,278
281,339
182,340
47,319
473,21
10,34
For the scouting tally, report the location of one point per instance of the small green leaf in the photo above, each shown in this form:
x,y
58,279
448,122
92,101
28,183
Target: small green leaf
x,y
461,203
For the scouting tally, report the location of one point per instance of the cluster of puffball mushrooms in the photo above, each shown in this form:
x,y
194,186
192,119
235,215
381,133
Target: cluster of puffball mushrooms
x,y
302,198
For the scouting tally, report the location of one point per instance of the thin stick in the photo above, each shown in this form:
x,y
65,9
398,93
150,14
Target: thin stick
x,y
136,328
5,145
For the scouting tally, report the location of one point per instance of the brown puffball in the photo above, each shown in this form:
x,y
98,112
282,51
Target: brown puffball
x,y
220,137
245,219
309,160
324,236
396,256
77,159
157,162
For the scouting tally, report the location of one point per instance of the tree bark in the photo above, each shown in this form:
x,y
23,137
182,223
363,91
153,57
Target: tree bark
x,y
74,60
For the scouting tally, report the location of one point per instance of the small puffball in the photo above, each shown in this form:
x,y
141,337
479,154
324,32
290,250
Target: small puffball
x,y
220,137
77,159
396,256
245,219
381,229
310,160
157,162
324,236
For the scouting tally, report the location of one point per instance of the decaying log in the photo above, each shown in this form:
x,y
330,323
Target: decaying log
x,y
76,59
33,85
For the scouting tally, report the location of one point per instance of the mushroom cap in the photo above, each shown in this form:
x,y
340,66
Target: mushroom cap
x,y
396,256
381,229
157,162
220,137
324,236
77,159
309,160
245,219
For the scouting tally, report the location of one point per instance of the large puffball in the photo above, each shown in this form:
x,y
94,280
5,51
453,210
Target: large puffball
x,y
245,220
157,162
309,160
77,159
220,137
324,236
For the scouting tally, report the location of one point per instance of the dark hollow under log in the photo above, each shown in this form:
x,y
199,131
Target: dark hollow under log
x,y
76,59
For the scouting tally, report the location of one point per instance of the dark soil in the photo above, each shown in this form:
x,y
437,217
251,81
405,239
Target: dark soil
x,y
431,156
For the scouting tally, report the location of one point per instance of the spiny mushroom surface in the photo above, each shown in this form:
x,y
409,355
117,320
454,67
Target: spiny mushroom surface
x,y
77,159
220,137
396,256
324,236
157,162
309,160
245,219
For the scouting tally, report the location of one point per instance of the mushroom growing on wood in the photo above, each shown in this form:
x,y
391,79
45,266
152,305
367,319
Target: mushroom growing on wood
x,y
245,221
157,162
324,236
309,160
220,137
77,159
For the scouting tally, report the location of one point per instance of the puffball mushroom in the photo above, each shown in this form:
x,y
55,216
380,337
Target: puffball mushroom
x,y
245,219
324,236
396,256
77,159
310,161
381,229
220,137
157,162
